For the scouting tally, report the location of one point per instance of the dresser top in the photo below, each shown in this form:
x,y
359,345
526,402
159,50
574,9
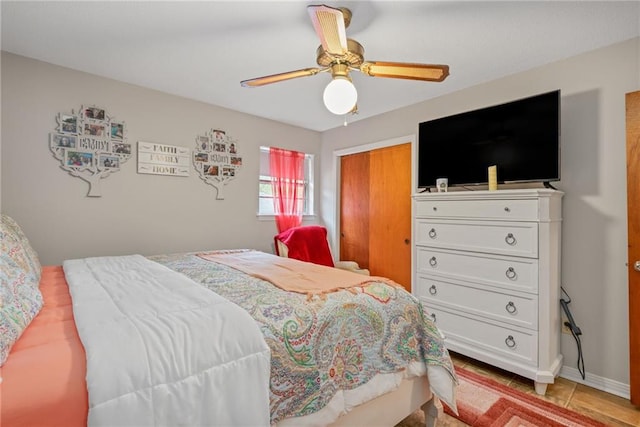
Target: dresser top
x,y
508,194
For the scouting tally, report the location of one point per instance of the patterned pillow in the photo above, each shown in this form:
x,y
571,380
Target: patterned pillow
x,y
20,297
20,302
15,244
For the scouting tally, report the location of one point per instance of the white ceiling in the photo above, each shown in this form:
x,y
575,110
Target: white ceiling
x,y
203,49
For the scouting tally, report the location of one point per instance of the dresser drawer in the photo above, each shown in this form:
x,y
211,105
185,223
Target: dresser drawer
x,y
506,238
517,310
499,271
515,210
507,342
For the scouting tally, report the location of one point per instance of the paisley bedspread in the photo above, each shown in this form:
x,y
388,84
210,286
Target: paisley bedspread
x,y
321,346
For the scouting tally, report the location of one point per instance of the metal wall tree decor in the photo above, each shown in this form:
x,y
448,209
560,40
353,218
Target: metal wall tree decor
x,y
90,145
216,159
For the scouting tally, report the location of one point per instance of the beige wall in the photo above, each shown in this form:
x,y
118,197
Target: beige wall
x,y
137,213
594,235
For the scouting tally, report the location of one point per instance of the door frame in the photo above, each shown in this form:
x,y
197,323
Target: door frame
x,y
337,154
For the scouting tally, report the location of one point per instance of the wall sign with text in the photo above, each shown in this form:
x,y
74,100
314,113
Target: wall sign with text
x,y
161,159
216,159
90,145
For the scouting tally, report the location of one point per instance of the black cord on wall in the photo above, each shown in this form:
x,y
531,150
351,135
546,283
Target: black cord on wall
x,y
575,330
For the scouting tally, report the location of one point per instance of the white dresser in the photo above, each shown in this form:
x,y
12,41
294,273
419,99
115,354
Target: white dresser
x,y
486,265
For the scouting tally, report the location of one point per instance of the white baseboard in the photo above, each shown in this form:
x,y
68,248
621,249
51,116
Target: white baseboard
x,y
597,382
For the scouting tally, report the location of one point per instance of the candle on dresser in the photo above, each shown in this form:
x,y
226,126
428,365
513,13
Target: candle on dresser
x,y
493,178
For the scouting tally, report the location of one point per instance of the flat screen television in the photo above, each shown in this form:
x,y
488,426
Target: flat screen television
x,y
521,138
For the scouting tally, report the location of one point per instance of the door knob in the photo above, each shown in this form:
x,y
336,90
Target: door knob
x,y
407,241
636,266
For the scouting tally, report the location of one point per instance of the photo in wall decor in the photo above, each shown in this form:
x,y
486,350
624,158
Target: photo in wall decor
x,y
90,145
216,159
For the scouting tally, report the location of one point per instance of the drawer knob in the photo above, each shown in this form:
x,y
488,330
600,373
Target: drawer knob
x,y
433,317
511,273
511,307
510,239
510,341
435,208
507,209
433,290
433,261
432,233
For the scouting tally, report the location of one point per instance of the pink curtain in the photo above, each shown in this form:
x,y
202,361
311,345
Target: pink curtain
x,y
287,173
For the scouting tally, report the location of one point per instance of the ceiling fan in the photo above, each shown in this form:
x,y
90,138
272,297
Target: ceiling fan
x,y
340,55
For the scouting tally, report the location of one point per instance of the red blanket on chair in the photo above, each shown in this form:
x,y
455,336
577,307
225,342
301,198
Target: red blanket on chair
x,y
307,243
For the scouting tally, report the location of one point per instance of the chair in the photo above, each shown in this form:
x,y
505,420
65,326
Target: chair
x,y
309,243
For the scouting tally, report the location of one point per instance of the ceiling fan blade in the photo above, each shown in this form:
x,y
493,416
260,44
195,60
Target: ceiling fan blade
x,y
275,78
330,27
401,70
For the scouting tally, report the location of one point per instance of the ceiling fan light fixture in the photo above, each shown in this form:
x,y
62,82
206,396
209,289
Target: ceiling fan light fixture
x,y
341,55
340,96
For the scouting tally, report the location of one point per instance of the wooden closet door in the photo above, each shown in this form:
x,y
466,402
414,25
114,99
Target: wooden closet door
x,y
354,208
633,228
390,213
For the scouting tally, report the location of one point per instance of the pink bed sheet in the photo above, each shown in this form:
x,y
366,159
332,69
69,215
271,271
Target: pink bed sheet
x,y
43,379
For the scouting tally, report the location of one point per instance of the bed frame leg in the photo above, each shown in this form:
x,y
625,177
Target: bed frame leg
x,y
432,411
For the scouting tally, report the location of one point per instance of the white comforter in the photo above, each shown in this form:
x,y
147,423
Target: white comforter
x,y
163,350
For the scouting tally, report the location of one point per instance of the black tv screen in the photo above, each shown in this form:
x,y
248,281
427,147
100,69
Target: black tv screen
x,y
522,138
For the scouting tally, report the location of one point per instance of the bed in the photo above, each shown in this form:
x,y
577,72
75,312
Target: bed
x,y
193,339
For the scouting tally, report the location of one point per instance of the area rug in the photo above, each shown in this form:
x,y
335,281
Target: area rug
x,y
483,402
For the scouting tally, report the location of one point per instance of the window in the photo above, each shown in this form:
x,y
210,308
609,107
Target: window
x,y
265,192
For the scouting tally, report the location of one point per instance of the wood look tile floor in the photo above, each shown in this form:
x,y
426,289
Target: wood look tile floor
x,y
604,407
